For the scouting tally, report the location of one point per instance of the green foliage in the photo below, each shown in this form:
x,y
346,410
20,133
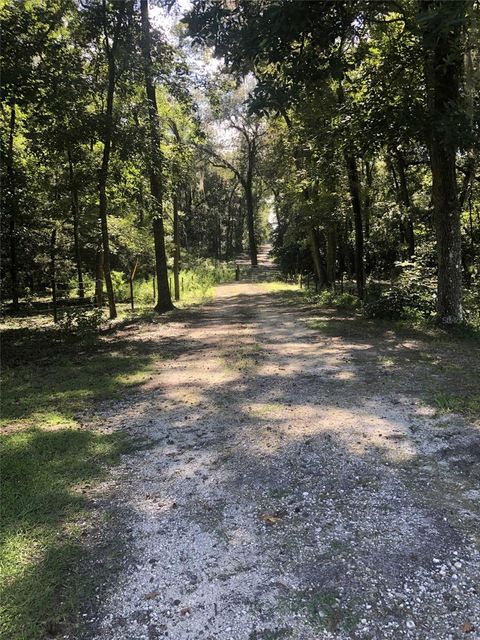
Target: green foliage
x,y
341,301
80,322
200,277
121,289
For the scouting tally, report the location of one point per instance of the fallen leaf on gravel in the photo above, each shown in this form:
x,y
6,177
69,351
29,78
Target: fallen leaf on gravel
x,y
467,627
270,519
151,595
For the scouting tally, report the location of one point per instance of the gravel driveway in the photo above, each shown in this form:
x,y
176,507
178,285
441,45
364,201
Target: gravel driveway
x,y
297,486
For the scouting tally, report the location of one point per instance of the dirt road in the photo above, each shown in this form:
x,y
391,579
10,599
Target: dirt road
x,y
298,486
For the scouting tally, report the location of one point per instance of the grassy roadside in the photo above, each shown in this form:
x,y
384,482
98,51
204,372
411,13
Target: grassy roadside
x,y
51,464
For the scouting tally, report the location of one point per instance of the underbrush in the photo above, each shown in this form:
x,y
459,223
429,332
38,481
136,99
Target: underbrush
x,y
197,280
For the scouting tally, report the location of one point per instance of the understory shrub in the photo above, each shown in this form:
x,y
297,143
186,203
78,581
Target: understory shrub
x,y
329,298
81,322
412,295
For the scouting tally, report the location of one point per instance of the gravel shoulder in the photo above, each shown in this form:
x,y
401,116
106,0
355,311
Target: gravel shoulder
x,y
297,485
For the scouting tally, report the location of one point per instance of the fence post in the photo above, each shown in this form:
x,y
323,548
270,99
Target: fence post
x,y
132,302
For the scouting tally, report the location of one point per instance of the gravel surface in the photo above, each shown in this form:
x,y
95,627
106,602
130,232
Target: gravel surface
x,y
297,486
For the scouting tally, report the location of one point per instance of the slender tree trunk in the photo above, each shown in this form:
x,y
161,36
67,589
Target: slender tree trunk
x,y
252,244
331,253
99,277
53,273
356,200
316,257
176,254
443,68
103,173
368,196
75,220
164,301
239,228
406,204
13,209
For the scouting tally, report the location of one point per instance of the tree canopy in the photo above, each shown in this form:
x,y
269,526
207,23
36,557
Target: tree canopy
x,y
346,131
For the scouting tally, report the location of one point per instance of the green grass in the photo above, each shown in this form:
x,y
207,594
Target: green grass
x,y
325,611
466,404
45,515
53,393
51,465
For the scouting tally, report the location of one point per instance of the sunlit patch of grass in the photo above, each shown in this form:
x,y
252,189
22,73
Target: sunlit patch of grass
x,y
50,464
53,393
280,286
45,514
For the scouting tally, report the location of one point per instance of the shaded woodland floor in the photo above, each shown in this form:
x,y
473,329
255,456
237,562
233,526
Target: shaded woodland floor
x,y
301,481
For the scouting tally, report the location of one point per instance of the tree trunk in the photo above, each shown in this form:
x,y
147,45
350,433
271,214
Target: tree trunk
x,y
164,301
13,210
53,273
331,254
368,196
252,244
356,200
176,254
75,219
406,204
103,173
99,277
239,228
443,67
315,251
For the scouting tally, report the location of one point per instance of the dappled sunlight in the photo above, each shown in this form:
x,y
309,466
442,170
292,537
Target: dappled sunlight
x,y
268,437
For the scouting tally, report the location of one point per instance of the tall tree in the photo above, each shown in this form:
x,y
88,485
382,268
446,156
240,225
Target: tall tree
x,y
164,301
442,22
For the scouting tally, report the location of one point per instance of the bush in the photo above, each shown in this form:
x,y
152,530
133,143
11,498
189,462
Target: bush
x,y
121,288
81,322
412,295
341,301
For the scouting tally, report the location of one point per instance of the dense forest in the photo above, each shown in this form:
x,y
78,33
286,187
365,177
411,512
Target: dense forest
x,y
137,146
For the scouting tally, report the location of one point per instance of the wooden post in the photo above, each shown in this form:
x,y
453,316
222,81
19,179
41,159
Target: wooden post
x,y
132,276
237,273
132,302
